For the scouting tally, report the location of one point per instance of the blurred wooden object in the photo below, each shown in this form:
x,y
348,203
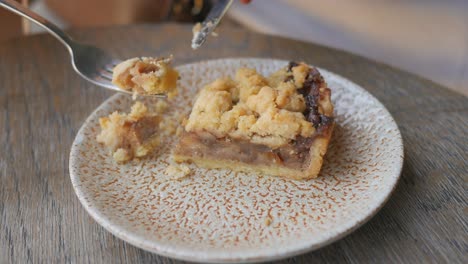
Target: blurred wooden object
x,y
12,25
88,13
25,24
105,12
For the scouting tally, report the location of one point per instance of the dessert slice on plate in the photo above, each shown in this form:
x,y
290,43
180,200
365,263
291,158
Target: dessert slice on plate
x,y
146,76
131,135
278,125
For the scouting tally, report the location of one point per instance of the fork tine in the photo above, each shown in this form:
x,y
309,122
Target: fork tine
x,y
105,73
105,77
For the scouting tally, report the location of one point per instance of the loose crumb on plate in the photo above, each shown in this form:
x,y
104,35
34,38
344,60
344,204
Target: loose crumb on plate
x,y
160,106
177,171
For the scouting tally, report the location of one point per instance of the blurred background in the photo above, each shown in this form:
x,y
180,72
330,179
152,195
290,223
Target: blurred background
x,y
425,37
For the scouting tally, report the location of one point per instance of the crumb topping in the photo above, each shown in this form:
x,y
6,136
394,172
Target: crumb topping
x,y
146,76
271,111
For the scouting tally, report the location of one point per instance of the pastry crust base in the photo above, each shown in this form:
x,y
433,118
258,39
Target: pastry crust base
x,y
310,169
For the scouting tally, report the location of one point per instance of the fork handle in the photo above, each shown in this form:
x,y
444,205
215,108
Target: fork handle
x,y
19,9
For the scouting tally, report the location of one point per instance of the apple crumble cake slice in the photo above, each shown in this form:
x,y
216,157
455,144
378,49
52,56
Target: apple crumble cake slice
x,y
280,125
146,76
131,135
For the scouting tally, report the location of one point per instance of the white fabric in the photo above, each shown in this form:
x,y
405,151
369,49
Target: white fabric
x,y
429,38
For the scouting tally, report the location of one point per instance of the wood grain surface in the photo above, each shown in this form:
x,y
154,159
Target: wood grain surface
x,y
43,103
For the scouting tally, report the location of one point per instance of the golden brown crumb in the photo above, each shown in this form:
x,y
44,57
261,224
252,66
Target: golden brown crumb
x,y
179,130
160,106
121,155
177,171
146,76
268,221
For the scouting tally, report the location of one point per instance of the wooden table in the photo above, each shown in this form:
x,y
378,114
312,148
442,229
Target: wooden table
x,y
43,103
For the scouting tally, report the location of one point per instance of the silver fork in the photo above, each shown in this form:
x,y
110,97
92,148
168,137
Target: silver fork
x,y
91,63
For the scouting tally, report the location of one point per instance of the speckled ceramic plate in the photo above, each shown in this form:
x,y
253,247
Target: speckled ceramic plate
x,y
221,216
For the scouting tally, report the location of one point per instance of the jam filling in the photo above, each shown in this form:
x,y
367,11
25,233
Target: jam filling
x,y
311,92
